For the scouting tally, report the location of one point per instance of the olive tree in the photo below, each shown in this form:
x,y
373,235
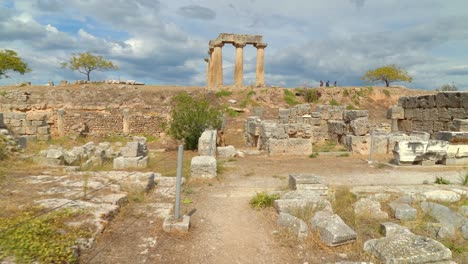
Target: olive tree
x,y
387,74
87,62
10,61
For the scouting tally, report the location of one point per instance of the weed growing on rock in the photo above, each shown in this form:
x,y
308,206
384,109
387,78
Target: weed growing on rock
x,y
263,200
290,98
441,180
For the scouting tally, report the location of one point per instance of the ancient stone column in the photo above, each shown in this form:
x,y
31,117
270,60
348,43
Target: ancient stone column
x,y
208,73
60,122
126,121
239,67
217,61
260,80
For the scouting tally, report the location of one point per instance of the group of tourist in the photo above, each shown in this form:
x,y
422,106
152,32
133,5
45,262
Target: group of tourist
x,y
327,84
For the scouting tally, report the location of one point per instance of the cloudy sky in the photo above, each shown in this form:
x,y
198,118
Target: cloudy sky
x,y
164,42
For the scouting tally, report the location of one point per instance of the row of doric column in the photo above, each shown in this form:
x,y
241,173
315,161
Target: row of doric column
x,y
214,68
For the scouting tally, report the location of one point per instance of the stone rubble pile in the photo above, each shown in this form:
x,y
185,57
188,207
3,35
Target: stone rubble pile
x,y
308,198
133,155
400,245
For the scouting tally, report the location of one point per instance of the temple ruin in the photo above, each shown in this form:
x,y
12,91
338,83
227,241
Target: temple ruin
x,y
214,69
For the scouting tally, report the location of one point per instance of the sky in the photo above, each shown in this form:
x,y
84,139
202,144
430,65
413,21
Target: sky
x,y
165,42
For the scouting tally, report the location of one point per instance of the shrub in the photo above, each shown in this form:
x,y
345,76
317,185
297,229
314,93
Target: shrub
x,y
350,107
3,148
290,97
441,180
345,93
313,155
190,117
231,112
386,92
45,239
263,199
223,93
333,102
310,95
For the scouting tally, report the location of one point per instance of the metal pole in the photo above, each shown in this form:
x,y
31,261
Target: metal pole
x,y
371,154
178,181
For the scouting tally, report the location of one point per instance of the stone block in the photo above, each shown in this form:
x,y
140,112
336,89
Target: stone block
x,y
411,102
448,99
381,145
441,126
426,101
429,114
460,125
436,150
226,152
290,146
294,224
54,154
207,143
360,126
35,116
272,130
389,228
401,248
457,113
403,211
453,137
130,162
409,151
328,112
396,112
43,137
369,208
426,126
332,229
441,196
350,115
444,215
132,149
358,144
44,130
170,225
203,167
444,114
309,182
283,113
405,125
337,127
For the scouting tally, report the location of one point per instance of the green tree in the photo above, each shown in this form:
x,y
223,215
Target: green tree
x,y
387,74
191,116
448,87
9,61
87,62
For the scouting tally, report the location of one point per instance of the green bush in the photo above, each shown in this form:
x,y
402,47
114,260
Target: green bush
x,y
223,93
263,199
45,239
441,180
350,107
386,92
333,102
190,117
310,95
290,97
231,112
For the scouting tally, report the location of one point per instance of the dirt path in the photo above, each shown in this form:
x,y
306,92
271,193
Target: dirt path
x,y
225,229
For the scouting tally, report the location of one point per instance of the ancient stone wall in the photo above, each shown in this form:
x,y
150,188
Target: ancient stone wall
x,y
29,125
430,113
297,128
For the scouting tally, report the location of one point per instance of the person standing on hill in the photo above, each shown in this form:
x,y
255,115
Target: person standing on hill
x,y
334,84
327,84
321,83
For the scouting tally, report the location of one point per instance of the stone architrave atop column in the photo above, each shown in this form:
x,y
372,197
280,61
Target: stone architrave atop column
x,y
239,67
217,61
260,80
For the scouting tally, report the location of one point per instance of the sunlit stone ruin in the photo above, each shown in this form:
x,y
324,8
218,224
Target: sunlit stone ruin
x,y
214,68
